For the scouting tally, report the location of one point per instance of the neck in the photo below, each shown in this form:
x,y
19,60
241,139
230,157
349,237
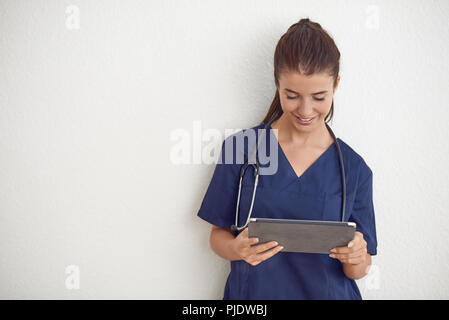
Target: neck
x,y
318,137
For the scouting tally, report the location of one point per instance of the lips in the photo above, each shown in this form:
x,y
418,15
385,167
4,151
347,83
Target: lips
x,y
304,119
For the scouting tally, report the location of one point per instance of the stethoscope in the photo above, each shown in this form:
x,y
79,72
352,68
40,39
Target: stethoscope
x,y
256,167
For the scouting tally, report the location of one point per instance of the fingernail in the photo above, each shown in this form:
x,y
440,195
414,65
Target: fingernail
x,y
333,250
331,255
281,248
350,244
275,243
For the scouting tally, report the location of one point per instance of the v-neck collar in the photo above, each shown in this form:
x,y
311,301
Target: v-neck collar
x,y
292,177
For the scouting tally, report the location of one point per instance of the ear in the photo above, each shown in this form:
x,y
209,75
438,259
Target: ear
x,y
337,83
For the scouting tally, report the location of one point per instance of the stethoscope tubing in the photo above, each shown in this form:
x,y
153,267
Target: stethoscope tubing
x,y
256,167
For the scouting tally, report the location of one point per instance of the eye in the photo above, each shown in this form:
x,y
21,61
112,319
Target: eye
x,y
317,99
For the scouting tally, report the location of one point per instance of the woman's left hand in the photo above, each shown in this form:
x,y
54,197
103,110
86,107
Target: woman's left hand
x,y
354,253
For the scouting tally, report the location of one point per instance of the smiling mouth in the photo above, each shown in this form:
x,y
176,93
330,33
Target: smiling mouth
x,y
305,119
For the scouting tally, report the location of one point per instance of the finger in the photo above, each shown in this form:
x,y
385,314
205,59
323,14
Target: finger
x,y
345,256
264,247
355,260
268,254
341,250
251,241
250,248
356,245
358,238
354,253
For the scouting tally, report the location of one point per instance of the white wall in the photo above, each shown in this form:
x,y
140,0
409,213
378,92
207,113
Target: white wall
x,y
86,116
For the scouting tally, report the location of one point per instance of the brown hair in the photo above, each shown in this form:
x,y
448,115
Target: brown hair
x,y
306,48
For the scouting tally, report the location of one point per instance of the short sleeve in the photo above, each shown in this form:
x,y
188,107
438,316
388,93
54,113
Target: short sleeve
x,y
219,203
363,209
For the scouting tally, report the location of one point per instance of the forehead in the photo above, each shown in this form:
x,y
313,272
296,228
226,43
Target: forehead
x,y
305,83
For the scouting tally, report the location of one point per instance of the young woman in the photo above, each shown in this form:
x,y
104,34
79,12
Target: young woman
x,y
307,185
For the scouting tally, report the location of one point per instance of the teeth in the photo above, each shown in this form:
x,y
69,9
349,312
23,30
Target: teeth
x,y
305,119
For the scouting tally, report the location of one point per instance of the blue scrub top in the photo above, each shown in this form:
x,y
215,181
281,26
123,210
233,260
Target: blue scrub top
x,y
315,195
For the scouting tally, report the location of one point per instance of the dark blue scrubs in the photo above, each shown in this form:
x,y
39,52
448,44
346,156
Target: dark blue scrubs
x,y
315,195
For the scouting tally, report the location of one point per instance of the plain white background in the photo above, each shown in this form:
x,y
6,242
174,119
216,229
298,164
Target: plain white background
x,y
89,98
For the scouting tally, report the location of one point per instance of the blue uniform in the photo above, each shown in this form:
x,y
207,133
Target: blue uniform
x,y
315,195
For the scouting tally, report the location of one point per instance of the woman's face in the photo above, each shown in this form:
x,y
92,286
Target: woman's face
x,y
306,97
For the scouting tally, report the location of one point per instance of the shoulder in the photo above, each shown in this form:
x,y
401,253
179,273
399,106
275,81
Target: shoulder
x,y
355,161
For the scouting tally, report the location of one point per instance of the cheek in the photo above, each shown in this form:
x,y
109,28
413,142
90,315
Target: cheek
x,y
324,107
289,105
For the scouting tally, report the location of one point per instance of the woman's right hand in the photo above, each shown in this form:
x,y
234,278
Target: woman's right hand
x,y
254,255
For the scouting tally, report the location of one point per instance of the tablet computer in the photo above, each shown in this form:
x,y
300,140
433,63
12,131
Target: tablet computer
x,y
308,236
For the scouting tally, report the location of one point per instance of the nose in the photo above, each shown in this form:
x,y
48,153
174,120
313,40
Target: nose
x,y
305,110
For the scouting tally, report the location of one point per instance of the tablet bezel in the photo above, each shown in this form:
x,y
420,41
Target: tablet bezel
x,y
315,222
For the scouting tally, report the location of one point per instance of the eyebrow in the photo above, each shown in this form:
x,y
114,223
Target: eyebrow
x,y
289,90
